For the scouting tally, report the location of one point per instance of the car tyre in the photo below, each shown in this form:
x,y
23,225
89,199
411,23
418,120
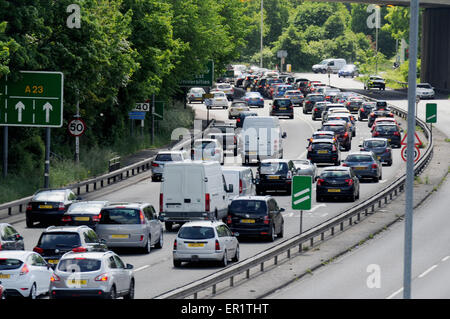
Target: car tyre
x,y
113,293
33,292
281,233
130,294
236,255
176,263
168,225
160,242
224,261
147,248
272,234
29,222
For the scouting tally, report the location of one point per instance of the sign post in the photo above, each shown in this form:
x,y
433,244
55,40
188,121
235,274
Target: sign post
x,y
431,115
301,195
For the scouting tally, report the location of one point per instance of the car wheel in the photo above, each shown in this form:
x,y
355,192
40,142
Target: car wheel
x,y
224,261
176,263
112,293
236,255
160,242
353,197
389,163
147,248
33,292
281,233
29,222
130,294
272,234
168,226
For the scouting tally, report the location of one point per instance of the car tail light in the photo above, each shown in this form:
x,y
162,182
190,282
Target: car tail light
x,y
29,207
376,133
374,165
334,148
361,109
396,133
155,164
349,181
54,278
161,197
372,114
66,219
344,164
240,186
388,150
346,134
316,109
79,250
229,221
217,245
266,220
175,244
0,246
102,277
141,217
24,270
207,202
289,175
96,218
38,250
320,181
61,206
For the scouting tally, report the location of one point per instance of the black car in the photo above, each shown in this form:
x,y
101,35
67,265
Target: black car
x,y
337,182
319,107
353,105
282,107
240,120
310,101
389,131
378,113
49,205
260,86
274,174
83,213
324,150
56,241
343,133
381,105
257,216
365,109
303,85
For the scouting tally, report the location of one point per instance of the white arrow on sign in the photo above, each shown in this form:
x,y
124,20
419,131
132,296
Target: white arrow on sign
x,y
20,107
47,108
298,201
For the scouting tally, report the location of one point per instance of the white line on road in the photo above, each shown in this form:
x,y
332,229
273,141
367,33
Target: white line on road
x,y
445,258
395,293
426,272
141,268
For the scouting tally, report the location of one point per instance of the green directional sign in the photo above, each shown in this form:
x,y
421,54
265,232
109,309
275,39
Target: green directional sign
x,y
36,99
301,192
204,78
431,113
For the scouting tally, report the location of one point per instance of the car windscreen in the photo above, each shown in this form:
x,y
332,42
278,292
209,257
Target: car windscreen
x,y
79,265
10,263
371,144
168,157
248,206
273,168
93,208
334,128
339,118
424,86
120,216
49,196
359,158
196,232
53,240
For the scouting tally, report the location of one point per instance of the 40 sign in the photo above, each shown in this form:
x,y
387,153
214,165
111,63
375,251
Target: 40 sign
x,y
76,127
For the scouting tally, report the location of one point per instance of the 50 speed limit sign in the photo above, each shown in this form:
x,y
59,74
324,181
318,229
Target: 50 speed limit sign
x,y
76,127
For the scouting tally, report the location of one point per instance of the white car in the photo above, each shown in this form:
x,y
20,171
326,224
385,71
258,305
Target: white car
x,y
219,99
195,94
236,108
208,149
24,273
425,91
205,241
227,89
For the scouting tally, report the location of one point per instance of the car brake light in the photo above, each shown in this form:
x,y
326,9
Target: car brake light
x,y
61,206
207,202
349,181
374,165
38,250
361,109
346,134
229,220
266,220
54,277
29,207
161,197
334,148
316,109
66,219
141,217
102,277
344,164
24,270
396,133
155,164
79,250
96,218
376,133
175,245
217,245
320,181
240,186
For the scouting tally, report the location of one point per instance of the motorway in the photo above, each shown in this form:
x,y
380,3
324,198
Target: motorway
x,y
155,273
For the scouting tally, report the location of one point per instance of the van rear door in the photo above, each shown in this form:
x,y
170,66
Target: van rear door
x,y
193,184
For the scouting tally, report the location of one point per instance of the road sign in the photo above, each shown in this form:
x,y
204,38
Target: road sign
x,y
431,113
417,143
35,100
282,54
77,127
204,78
301,192
135,115
416,153
142,107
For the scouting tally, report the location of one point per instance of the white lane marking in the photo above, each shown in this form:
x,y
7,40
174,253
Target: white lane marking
x,y
426,272
395,293
445,258
317,206
142,268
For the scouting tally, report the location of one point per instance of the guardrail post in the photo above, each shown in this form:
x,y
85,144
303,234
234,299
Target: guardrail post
x,y
312,241
322,236
342,226
247,275
195,295
289,253
275,260
87,188
359,216
332,231
262,266
350,221
231,281
9,211
214,289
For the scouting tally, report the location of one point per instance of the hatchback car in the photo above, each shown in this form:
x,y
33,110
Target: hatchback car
x,y
256,216
295,96
56,241
346,117
310,101
279,90
337,182
195,94
342,131
354,104
133,225
389,131
242,116
376,114
365,109
380,147
162,158
254,99
364,164
10,239
321,135
324,151
219,99
92,275
83,213
282,107
304,167
205,241
24,273
384,120
274,174
318,109
208,150
49,205
227,89
236,108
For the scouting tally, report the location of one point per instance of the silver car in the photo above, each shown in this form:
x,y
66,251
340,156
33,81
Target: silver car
x,y
10,239
92,274
205,240
164,157
130,225
305,167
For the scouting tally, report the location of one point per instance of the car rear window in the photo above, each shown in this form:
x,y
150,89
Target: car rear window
x,y
53,240
323,136
168,157
321,145
359,158
273,168
79,265
85,208
239,104
10,263
334,128
120,216
196,232
386,128
371,144
335,174
49,196
248,206
316,98
282,103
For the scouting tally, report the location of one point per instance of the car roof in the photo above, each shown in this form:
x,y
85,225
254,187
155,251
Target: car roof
x,y
335,122
253,197
169,152
73,229
87,254
323,140
360,153
323,132
275,160
375,139
127,204
204,223
336,168
18,254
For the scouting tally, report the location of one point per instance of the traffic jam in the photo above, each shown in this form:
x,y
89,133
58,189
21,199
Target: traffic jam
x,y
210,204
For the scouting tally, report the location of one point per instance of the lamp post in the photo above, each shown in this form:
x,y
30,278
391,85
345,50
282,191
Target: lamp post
x,y
262,24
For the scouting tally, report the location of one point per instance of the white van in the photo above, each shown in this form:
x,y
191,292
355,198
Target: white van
x,y
193,190
261,138
334,64
242,180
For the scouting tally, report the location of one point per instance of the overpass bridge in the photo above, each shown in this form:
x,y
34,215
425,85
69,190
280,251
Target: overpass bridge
x,y
435,45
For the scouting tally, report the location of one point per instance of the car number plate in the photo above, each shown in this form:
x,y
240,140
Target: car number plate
x,y
283,108
248,221
334,190
273,177
76,282
359,167
120,236
389,139
5,276
53,261
82,219
251,153
322,152
240,109
46,206
196,245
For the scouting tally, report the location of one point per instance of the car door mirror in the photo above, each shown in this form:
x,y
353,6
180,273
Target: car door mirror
x,y
284,135
282,210
79,198
18,237
129,266
230,188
